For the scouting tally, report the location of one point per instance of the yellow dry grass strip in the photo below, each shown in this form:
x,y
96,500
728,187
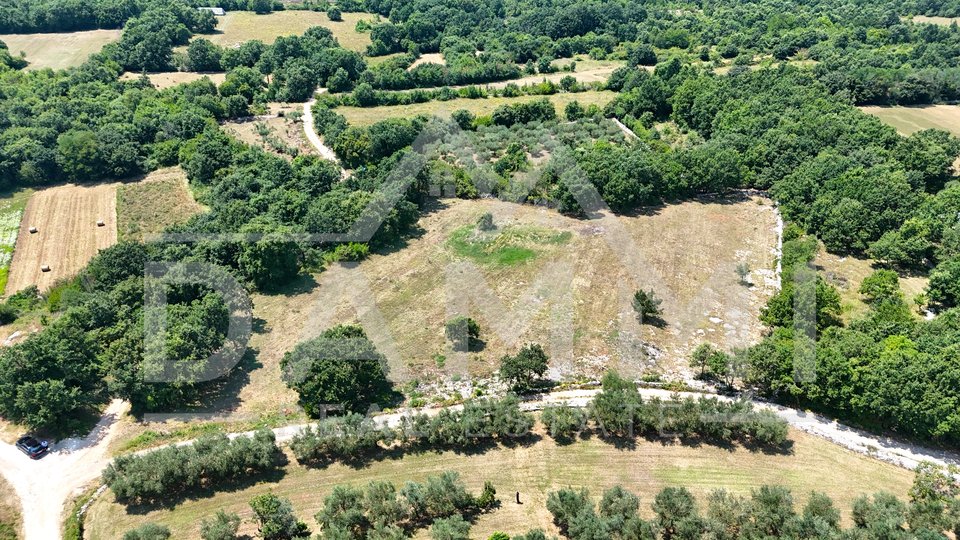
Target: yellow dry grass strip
x,y
10,521
364,116
59,51
239,26
907,120
173,78
539,468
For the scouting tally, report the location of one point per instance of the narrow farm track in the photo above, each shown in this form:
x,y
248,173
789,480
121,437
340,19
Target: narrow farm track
x,y
325,151
44,486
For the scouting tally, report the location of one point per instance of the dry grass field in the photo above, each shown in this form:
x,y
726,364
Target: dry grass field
x,y
147,207
239,26
907,120
429,58
59,51
944,21
686,252
166,80
538,468
847,273
364,116
9,512
68,235
288,133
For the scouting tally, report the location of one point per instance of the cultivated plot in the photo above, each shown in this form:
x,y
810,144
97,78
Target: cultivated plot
x,y
59,51
68,235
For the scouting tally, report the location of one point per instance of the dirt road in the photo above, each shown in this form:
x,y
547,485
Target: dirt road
x,y
44,486
325,151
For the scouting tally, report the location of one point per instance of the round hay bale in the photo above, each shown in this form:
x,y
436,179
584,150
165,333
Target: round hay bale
x,y
100,223
44,268
33,230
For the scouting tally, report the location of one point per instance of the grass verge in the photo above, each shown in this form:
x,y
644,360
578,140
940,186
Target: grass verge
x,y
537,468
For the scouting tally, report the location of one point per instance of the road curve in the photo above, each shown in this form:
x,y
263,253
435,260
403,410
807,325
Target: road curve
x,y
308,127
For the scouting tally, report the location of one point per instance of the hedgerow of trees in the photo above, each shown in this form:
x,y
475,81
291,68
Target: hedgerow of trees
x,y
768,512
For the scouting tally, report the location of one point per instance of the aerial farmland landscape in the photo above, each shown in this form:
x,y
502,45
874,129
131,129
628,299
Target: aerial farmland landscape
x,y
488,269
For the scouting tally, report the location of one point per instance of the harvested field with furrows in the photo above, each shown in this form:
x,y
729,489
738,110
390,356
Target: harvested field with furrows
x,y
67,236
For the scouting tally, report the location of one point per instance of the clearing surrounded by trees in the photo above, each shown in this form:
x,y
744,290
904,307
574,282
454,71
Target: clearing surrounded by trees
x,y
365,116
148,207
59,51
67,234
907,120
239,26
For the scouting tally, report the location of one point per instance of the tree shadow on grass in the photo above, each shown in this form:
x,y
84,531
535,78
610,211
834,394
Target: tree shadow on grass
x,y
212,489
478,446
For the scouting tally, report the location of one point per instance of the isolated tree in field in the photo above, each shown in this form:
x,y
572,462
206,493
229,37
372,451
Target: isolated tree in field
x,y
880,285
333,13
485,222
523,367
340,367
223,527
276,520
463,333
260,6
743,271
641,55
148,531
647,305
700,357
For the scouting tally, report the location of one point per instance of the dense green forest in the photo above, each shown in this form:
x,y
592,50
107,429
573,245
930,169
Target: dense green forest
x,y
789,127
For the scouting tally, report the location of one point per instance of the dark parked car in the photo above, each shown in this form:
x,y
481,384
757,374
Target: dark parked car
x,y
32,447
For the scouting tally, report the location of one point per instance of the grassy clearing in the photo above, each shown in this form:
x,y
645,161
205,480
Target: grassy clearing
x,y
59,51
166,80
944,21
239,26
364,116
9,512
508,247
281,136
907,120
11,213
538,468
687,252
429,58
149,206
847,273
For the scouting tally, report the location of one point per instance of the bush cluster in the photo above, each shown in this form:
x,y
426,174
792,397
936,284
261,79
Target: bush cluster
x,y
349,437
176,470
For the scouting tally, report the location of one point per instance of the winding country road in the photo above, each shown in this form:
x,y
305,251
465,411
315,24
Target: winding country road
x,y
44,486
